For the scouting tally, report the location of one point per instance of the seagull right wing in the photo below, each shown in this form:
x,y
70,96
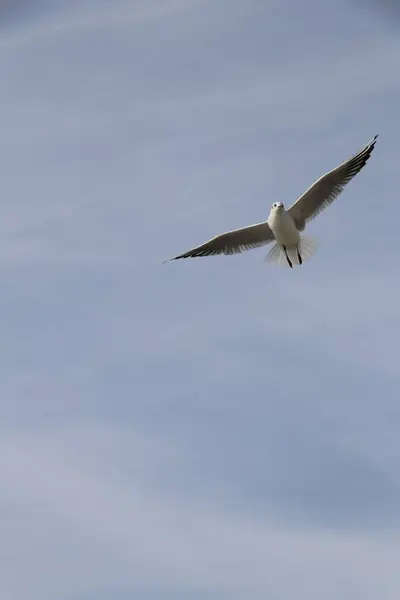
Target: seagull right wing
x,y
328,187
233,242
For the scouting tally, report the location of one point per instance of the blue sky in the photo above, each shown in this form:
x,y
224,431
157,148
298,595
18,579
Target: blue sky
x,y
209,429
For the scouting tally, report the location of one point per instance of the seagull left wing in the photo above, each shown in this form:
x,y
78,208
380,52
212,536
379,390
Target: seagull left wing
x,y
233,242
328,187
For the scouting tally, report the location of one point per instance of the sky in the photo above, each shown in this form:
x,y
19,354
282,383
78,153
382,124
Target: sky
x,y
209,429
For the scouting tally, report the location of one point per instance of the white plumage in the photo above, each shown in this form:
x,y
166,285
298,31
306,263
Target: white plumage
x,y
285,227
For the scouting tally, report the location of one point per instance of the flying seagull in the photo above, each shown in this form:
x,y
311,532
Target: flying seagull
x,y
284,226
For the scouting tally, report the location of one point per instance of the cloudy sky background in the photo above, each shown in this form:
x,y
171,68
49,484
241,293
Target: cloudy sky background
x,y
209,429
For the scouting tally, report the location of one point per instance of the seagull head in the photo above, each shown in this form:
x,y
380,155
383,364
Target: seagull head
x,y
277,206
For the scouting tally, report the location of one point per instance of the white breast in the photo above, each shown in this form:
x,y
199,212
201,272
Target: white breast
x,y
283,228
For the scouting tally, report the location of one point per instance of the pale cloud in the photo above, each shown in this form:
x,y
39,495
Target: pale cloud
x,y
389,9
132,533
57,17
215,428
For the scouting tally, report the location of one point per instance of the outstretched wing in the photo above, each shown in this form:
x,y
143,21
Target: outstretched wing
x,y
328,187
233,242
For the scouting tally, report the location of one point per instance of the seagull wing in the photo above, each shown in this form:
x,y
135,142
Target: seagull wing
x,y
328,187
233,242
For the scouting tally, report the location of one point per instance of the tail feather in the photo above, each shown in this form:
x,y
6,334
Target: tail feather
x,y
308,246
277,256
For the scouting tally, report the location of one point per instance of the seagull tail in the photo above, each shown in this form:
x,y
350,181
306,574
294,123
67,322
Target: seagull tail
x,y
277,255
308,246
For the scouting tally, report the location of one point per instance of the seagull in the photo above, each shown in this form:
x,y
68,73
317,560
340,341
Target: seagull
x,y
285,226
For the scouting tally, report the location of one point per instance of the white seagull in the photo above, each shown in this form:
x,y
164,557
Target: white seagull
x,y
284,226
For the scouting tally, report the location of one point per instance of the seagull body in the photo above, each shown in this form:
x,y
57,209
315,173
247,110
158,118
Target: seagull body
x,y
285,226
285,231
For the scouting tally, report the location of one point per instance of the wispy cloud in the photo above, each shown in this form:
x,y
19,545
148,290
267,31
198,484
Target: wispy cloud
x,y
388,9
216,428
58,17
133,535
